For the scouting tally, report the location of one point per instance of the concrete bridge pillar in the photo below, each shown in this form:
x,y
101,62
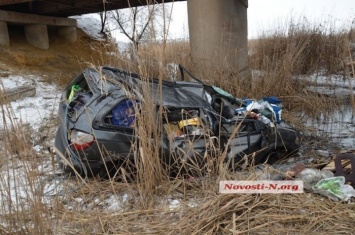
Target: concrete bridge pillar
x,y
219,34
67,33
37,35
4,34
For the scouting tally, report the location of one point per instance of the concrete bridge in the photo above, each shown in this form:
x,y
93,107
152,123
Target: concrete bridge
x,y
217,28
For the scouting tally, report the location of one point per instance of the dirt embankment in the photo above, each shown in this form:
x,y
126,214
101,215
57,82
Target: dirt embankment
x,y
59,64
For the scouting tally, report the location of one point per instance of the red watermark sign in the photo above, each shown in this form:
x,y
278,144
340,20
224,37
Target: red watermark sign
x,y
264,186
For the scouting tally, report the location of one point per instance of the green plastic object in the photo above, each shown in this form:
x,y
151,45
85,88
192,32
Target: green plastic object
x,y
74,88
332,185
335,188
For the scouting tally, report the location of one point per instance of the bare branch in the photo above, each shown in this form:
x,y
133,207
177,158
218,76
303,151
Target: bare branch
x,y
137,22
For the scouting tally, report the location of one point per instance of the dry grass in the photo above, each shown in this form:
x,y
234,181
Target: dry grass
x,y
156,204
300,48
202,211
310,47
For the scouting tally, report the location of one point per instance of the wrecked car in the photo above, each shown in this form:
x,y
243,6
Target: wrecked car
x,y
98,115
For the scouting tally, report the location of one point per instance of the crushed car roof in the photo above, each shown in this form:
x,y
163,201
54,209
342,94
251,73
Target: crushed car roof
x,y
177,94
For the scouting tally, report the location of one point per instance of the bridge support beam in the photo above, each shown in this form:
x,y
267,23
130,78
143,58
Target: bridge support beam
x,y
36,27
37,35
4,34
218,34
68,34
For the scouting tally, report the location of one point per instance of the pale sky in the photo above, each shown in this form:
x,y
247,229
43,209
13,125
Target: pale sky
x,y
267,14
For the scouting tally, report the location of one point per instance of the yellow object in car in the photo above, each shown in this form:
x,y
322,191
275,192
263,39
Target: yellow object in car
x,y
189,122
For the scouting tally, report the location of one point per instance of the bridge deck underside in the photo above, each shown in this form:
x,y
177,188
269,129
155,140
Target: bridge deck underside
x,y
64,8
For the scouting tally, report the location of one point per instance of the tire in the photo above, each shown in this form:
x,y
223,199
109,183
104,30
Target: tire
x,y
109,171
276,155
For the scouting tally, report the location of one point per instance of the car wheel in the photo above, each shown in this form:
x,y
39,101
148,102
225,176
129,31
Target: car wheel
x,y
276,155
109,171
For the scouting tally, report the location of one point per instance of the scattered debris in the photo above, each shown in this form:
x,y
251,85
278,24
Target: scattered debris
x,y
336,186
342,165
323,153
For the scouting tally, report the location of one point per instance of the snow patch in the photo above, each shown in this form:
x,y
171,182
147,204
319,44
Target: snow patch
x,y
30,110
90,24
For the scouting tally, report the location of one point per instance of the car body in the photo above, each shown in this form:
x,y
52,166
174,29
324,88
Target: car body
x,y
98,129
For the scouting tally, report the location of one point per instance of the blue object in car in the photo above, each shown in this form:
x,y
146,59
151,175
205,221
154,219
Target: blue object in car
x,y
123,114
